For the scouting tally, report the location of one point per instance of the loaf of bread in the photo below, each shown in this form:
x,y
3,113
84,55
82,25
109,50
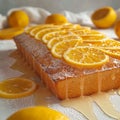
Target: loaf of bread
x,y
63,80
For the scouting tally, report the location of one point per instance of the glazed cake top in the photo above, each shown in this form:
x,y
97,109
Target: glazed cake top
x,y
95,52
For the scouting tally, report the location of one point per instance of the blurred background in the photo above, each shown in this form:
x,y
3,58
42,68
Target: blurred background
x,y
55,6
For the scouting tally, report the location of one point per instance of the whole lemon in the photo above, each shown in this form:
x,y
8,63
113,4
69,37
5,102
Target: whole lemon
x,y
37,113
56,19
18,18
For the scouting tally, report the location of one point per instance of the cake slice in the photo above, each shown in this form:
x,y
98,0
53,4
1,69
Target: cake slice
x,y
63,79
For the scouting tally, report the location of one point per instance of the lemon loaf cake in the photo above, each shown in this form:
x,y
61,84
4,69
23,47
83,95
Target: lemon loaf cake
x,y
71,60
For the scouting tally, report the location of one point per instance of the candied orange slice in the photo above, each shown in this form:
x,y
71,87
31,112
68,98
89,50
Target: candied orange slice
x,y
104,17
46,38
55,40
113,52
109,43
39,28
80,31
42,32
85,57
16,87
90,35
93,38
59,48
9,33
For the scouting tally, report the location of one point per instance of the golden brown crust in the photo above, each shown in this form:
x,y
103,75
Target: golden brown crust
x,y
62,79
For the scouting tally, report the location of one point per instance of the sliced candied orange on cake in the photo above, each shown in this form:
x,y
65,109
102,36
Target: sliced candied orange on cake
x,y
80,31
109,43
94,38
17,87
55,40
90,35
46,38
42,32
59,48
34,31
113,52
85,57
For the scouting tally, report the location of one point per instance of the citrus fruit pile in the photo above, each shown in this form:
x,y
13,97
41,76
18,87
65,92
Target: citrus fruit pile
x,y
37,113
78,46
16,88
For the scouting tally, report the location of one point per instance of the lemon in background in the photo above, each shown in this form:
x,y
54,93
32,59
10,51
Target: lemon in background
x,y
117,28
37,113
104,17
56,19
18,18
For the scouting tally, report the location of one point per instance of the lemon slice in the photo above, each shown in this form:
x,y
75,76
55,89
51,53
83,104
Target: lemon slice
x,y
113,52
109,43
94,38
85,57
104,17
9,33
40,27
55,40
16,88
37,113
41,33
46,38
90,35
59,48
80,31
